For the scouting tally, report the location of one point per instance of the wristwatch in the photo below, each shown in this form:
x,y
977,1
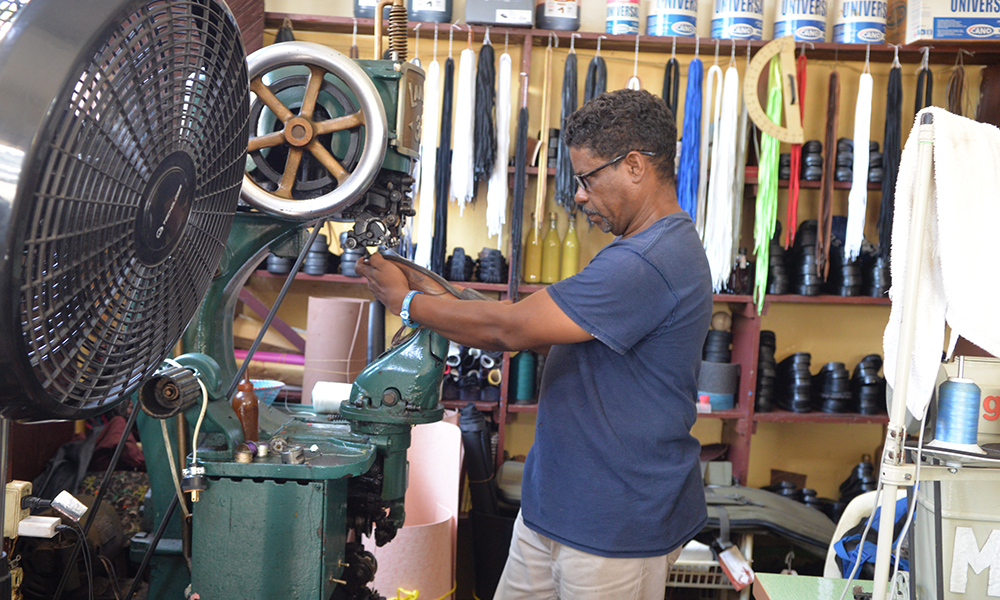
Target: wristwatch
x,y
405,312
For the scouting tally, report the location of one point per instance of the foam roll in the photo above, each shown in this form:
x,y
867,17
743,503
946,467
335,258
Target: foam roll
x,y
672,17
958,412
740,20
860,22
803,19
327,396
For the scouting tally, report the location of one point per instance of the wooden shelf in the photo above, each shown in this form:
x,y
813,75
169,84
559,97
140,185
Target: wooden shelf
x,y
784,416
944,52
824,299
523,408
733,413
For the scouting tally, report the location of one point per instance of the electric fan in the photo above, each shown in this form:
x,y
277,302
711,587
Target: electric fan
x,y
123,135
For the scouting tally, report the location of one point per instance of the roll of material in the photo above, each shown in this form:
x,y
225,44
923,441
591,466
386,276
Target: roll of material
x,y
739,20
327,396
522,379
806,21
719,378
672,17
336,344
719,401
860,22
958,414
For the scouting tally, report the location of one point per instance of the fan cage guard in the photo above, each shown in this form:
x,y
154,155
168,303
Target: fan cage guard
x,y
97,315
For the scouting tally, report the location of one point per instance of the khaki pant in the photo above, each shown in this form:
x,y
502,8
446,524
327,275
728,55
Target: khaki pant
x,y
539,568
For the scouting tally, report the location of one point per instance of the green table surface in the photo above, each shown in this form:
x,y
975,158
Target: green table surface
x,y
772,586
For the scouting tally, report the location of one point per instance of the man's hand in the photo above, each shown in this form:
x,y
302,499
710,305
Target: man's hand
x,y
385,280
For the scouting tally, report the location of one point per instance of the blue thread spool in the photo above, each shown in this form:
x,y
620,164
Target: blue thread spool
x,y
958,412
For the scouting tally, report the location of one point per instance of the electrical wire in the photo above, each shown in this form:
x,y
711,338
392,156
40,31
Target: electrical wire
x,y
109,568
81,539
485,136
173,468
565,182
891,152
687,174
767,195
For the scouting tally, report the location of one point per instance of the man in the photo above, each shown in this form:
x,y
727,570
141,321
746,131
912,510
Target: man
x,y
612,486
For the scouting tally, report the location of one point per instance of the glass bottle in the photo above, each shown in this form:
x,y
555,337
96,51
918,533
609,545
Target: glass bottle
x,y
570,264
532,270
551,247
246,409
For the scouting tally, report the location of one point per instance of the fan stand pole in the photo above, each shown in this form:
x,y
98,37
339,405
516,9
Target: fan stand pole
x,y
5,590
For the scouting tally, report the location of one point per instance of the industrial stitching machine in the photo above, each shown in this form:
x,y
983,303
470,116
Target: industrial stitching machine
x,y
329,138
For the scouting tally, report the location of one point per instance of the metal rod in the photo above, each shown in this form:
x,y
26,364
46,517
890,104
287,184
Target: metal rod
x,y
896,431
152,548
92,512
274,309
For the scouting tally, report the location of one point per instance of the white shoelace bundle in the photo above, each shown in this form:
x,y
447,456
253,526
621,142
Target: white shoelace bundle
x,y
719,217
462,164
857,200
496,192
430,131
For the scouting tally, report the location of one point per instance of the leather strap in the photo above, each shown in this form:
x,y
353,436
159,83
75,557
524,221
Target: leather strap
x,y
672,85
925,90
792,220
826,186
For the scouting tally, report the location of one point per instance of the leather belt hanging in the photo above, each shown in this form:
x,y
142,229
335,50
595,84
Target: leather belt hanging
x,y
829,166
925,83
792,219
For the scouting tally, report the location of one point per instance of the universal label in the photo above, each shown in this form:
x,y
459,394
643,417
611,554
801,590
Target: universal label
x,y
965,20
673,17
860,22
738,19
803,19
623,17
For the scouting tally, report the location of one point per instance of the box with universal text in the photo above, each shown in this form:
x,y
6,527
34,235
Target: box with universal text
x,y
950,20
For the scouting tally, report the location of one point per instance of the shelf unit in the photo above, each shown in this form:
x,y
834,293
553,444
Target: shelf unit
x,y
738,424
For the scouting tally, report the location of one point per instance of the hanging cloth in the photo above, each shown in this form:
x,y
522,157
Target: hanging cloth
x,y
709,122
687,175
925,83
428,164
496,192
672,85
439,244
792,218
857,200
597,79
767,193
485,138
462,164
829,167
565,183
520,186
891,151
719,214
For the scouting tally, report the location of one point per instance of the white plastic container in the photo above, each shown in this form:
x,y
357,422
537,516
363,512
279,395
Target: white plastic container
x,y
738,19
860,22
672,18
803,19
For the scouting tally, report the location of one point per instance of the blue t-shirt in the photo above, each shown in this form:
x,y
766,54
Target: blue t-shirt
x,y
614,469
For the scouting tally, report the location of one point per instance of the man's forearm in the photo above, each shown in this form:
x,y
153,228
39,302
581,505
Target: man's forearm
x,y
473,323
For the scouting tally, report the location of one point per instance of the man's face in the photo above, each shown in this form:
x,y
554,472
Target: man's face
x,y
598,198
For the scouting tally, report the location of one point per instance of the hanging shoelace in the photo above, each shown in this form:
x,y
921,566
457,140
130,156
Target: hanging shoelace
x,y
462,169
857,200
767,192
565,183
719,217
740,162
439,244
597,76
672,85
687,175
428,164
891,151
484,139
925,83
520,185
496,193
792,218
956,86
709,120
826,185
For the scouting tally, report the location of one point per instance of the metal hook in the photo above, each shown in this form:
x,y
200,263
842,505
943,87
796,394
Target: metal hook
x,y
416,45
469,44
716,51
572,42
802,50
486,38
697,46
451,37
506,40
435,57
925,61
599,38
748,53
868,51
673,47
895,56
732,55
552,35
354,34
635,60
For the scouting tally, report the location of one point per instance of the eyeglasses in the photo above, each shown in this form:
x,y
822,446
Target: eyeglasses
x,y
581,179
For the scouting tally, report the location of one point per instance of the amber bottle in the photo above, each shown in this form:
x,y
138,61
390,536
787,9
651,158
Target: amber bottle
x,y
245,407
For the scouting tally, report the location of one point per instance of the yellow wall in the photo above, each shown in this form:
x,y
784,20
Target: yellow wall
x,y
826,453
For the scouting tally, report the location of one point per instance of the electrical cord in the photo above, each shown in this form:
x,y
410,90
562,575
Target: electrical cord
x,y
87,565
173,469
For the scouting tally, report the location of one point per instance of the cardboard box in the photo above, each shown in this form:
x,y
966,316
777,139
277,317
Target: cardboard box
x,y
947,20
505,13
